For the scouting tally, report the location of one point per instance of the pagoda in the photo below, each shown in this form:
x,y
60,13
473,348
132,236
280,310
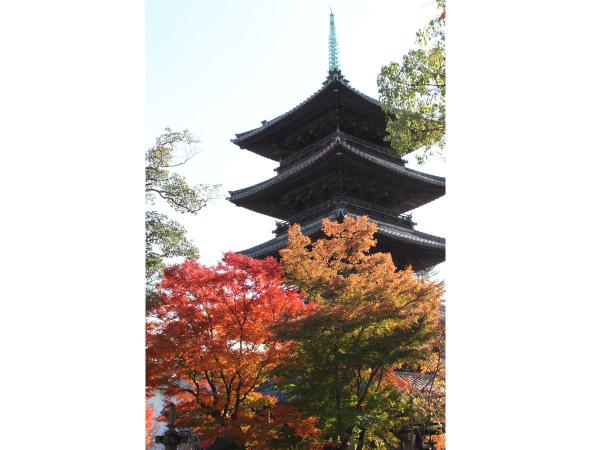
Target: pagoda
x,y
334,161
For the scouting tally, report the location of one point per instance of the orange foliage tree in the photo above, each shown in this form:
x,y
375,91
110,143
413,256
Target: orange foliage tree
x,y
370,318
210,346
150,425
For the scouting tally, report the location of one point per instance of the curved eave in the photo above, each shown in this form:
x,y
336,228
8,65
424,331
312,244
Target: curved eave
x,y
248,138
422,177
297,169
393,233
249,193
240,138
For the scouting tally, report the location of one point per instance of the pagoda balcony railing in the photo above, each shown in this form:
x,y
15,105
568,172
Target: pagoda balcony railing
x,y
343,201
304,152
382,152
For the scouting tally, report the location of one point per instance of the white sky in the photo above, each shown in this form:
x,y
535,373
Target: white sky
x,y
219,68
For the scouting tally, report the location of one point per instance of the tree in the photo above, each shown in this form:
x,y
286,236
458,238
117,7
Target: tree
x,y
424,397
413,93
369,319
151,427
211,345
166,238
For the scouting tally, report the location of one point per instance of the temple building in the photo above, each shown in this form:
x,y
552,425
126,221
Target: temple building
x,y
333,161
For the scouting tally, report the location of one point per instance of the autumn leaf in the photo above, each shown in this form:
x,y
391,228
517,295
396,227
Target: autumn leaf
x,y
211,343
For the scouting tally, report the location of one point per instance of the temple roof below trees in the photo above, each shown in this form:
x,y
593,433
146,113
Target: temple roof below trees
x,y
418,382
362,161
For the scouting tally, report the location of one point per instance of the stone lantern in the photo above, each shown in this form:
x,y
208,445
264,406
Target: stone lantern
x,y
171,439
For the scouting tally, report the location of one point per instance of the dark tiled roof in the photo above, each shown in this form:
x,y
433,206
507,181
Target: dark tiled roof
x,y
313,158
269,388
351,205
246,192
313,227
335,79
398,168
419,382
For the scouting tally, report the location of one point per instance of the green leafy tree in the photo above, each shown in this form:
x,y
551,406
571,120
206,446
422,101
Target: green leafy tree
x,y
370,318
166,238
413,93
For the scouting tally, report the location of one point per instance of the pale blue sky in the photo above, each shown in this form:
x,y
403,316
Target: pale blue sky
x,y
220,67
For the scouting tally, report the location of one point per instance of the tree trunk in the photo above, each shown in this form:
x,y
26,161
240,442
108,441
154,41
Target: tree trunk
x,y
345,439
361,439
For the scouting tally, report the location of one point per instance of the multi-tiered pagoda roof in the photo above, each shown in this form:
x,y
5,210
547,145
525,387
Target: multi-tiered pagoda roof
x,y
333,160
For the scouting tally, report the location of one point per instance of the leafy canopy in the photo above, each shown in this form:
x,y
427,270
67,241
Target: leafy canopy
x,y
151,426
168,185
166,238
211,346
370,318
413,93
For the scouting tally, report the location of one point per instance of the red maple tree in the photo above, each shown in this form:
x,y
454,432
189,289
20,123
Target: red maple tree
x,y
211,346
150,425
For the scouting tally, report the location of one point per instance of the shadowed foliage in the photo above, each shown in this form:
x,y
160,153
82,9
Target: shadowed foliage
x,y
370,318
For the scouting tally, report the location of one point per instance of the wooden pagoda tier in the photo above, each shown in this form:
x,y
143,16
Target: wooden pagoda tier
x,y
336,106
340,163
394,235
333,160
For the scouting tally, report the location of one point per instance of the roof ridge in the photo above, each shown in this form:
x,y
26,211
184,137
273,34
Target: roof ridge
x,y
268,123
312,158
382,227
334,77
